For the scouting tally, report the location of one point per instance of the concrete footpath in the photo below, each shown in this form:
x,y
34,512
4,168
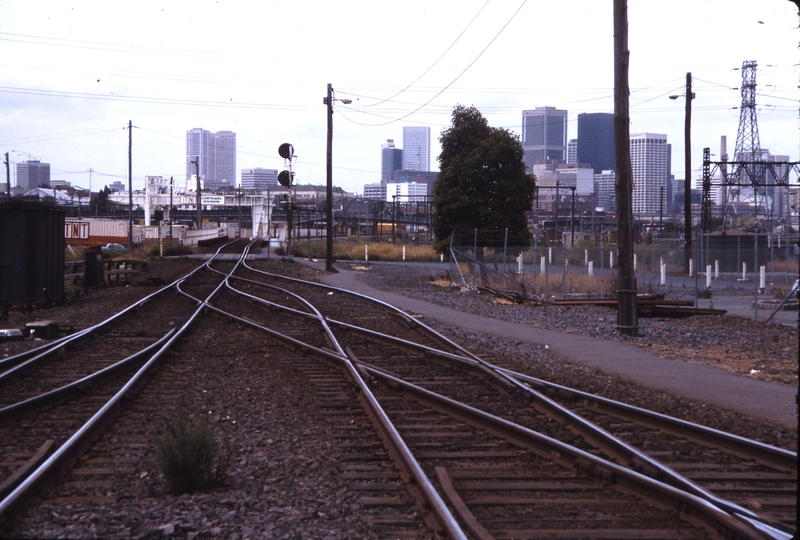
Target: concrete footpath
x,y
773,402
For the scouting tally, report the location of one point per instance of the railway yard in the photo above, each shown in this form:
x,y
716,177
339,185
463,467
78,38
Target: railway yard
x,y
343,418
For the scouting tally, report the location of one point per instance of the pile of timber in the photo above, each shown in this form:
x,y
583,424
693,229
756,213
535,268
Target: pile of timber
x,y
654,305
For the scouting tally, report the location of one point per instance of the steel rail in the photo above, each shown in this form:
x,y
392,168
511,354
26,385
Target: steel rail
x,y
25,359
94,426
692,507
74,388
771,456
623,452
599,437
398,448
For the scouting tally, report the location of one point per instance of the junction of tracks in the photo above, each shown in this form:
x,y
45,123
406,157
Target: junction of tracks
x,y
349,418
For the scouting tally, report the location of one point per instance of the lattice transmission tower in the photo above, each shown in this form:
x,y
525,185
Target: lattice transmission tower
x,y
748,144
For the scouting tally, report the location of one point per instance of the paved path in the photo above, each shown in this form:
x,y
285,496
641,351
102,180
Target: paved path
x,y
770,401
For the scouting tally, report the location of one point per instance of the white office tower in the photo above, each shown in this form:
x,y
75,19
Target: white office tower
x,y
416,148
649,163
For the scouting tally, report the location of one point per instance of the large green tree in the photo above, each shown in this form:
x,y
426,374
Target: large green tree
x,y
482,184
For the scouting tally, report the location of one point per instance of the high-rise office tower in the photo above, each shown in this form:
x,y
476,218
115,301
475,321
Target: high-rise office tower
x,y
224,160
416,148
650,165
572,151
544,135
391,160
200,147
32,174
216,156
596,141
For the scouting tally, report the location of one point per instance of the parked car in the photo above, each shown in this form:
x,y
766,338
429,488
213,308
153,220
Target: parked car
x,y
113,247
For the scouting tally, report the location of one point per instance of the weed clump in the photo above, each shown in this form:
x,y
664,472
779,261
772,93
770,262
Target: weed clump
x,y
189,456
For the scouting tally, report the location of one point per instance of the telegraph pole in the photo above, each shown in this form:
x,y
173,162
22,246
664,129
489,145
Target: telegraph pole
x,y
627,322
687,183
329,186
8,177
130,184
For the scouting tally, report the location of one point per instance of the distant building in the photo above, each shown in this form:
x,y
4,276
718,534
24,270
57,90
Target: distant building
x,y
596,140
259,179
651,170
604,194
33,174
116,185
216,157
420,177
375,191
544,135
416,148
391,160
406,192
224,160
572,151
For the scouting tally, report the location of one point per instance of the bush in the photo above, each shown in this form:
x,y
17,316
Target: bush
x,y
170,250
189,457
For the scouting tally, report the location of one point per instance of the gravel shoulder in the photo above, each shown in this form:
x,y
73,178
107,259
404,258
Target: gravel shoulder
x,y
756,349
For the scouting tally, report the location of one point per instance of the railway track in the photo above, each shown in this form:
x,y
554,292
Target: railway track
x,y
439,441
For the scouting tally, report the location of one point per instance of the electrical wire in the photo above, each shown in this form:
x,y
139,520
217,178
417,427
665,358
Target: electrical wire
x,y
435,62
460,74
152,100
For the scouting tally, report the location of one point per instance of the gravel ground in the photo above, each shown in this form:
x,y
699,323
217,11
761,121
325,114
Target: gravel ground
x,y
753,348
278,440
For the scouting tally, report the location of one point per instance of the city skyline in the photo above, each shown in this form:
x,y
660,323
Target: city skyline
x,y
76,74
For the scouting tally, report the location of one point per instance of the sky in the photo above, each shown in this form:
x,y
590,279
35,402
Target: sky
x,y
74,73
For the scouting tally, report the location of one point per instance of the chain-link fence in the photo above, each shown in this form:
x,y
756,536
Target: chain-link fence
x,y
590,270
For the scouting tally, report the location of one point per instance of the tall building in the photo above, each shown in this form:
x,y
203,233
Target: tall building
x,y
572,151
224,160
544,135
216,157
416,148
391,160
596,141
650,165
32,174
199,147
604,194
259,179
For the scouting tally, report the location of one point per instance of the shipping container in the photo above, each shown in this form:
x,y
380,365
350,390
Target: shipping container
x,y
31,253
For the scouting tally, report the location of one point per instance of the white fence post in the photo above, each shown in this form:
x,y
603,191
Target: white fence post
x,y
591,268
708,276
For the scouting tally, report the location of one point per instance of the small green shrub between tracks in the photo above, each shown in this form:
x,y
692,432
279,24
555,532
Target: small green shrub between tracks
x,y
189,456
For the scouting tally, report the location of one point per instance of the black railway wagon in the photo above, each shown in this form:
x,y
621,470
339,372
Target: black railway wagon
x,y
31,253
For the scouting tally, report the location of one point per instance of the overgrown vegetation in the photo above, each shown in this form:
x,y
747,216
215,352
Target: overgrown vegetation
x,y
354,250
189,456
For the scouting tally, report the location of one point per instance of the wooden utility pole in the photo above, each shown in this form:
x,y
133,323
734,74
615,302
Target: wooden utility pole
x,y
329,186
687,184
8,177
627,322
130,184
